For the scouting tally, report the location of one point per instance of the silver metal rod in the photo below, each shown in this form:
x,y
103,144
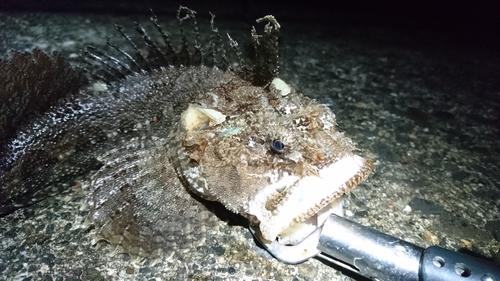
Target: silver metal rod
x,y
372,253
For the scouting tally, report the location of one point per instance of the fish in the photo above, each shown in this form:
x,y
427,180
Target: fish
x,y
164,134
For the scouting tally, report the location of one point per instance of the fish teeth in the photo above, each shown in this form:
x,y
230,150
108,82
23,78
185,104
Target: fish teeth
x,y
305,197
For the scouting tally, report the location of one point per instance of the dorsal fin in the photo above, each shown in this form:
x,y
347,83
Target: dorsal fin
x,y
259,69
266,51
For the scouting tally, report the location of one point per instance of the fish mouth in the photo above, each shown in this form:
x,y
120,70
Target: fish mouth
x,y
293,208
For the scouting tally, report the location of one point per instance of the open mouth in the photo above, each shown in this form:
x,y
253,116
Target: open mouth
x,y
299,242
299,210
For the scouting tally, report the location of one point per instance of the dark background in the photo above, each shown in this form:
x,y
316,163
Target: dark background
x,y
475,21
481,16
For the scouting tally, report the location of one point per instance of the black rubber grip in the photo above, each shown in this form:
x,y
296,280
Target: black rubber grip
x,y
440,264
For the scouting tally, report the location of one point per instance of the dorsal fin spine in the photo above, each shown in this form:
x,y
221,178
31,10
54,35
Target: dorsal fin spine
x,y
263,67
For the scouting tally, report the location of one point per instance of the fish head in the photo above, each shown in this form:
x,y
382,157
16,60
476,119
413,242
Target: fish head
x,y
268,153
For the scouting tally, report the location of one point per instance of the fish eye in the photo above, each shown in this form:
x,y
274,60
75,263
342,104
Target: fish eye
x,y
277,146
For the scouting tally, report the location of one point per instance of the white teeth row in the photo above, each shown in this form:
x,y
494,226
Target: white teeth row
x,y
298,232
305,193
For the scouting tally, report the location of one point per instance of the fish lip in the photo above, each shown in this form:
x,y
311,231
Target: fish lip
x,y
305,197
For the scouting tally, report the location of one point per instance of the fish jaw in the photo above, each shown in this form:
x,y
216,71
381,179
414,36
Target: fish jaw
x,y
290,207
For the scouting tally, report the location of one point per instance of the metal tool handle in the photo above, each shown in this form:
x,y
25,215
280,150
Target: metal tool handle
x,y
379,256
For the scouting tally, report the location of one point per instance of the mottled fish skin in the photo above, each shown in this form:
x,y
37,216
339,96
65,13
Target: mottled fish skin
x,y
151,162
138,201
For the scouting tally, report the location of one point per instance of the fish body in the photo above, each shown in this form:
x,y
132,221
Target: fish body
x,y
166,136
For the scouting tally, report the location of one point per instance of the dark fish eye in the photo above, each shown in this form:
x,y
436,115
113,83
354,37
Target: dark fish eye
x,y
277,146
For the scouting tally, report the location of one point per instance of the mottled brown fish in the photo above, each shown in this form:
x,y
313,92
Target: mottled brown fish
x,y
163,129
